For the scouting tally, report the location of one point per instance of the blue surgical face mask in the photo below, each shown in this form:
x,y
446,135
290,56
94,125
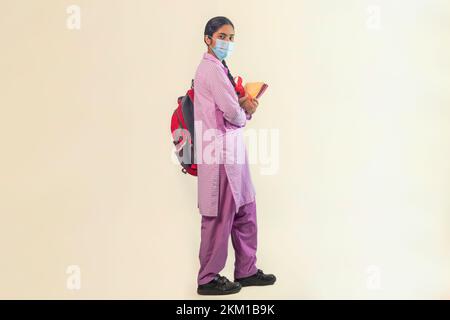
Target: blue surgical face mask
x,y
223,49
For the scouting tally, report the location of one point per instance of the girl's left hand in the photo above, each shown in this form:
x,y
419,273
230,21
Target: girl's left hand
x,y
244,99
250,105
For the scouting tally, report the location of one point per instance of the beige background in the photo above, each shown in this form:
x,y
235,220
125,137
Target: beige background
x,y
359,207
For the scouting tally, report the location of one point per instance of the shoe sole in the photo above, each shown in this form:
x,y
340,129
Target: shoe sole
x,y
246,284
217,293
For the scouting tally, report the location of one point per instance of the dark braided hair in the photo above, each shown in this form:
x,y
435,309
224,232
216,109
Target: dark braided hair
x,y
212,26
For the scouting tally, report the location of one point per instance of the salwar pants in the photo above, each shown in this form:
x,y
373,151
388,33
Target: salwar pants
x,y
216,231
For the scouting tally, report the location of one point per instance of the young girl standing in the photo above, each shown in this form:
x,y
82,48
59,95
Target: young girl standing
x,y
226,195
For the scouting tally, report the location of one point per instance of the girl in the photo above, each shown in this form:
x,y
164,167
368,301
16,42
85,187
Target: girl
x,y
226,195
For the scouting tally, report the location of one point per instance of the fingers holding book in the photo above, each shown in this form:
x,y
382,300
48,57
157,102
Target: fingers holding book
x,y
249,104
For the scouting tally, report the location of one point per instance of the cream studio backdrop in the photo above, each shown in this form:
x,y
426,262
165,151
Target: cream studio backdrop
x,y
355,204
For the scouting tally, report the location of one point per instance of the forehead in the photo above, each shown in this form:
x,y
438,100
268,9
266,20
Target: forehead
x,y
227,30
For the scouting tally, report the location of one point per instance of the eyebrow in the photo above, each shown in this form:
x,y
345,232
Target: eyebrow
x,y
227,34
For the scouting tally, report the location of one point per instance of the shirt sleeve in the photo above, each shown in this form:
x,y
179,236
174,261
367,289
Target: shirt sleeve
x,y
225,97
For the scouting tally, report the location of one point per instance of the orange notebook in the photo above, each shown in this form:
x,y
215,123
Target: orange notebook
x,y
255,89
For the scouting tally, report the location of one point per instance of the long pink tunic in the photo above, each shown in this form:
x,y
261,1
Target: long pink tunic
x,y
219,125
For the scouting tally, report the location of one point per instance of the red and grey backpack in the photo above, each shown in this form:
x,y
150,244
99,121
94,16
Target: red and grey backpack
x,y
182,128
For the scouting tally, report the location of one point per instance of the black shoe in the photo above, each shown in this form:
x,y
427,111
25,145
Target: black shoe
x,y
258,279
219,286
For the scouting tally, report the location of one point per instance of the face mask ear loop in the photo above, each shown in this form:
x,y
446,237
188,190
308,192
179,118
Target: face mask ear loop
x,y
210,45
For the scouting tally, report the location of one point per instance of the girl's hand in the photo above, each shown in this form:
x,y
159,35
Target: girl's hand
x,y
248,103
243,99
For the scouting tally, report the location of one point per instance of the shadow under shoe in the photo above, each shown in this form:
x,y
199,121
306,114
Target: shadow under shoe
x,y
219,286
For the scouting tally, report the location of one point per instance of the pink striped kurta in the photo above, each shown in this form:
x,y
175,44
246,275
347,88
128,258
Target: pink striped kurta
x,y
219,125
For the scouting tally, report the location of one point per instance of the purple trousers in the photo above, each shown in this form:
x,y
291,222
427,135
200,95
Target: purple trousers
x,y
216,231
